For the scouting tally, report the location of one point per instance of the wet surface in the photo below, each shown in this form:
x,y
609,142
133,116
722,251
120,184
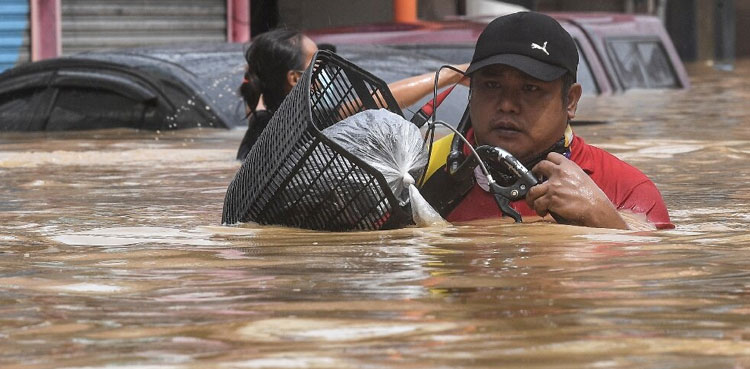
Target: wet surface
x,y
112,256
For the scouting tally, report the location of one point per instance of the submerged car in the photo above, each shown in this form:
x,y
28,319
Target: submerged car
x,y
618,52
150,88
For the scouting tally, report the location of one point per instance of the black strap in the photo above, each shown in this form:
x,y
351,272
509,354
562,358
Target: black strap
x,y
444,191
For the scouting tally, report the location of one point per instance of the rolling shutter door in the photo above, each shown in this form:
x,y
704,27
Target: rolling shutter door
x,y
96,24
14,32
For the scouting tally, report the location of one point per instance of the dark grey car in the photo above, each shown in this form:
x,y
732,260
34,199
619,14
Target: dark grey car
x,y
152,89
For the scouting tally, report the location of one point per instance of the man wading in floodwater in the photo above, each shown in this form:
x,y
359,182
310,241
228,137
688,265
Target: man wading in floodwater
x,y
523,94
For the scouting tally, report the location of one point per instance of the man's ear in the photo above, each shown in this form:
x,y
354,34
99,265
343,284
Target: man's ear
x,y
574,95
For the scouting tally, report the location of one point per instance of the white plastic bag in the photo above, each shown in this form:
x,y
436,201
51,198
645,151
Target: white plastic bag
x,y
422,212
393,146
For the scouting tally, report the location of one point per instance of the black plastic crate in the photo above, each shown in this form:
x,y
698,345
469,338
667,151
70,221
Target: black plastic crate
x,y
296,176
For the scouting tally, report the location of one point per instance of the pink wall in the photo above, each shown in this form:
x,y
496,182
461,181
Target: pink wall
x,y
238,20
45,29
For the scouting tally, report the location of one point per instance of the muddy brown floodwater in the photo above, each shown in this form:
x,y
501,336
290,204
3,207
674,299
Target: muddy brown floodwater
x,y
112,256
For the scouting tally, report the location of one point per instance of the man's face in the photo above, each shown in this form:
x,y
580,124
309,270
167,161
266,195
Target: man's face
x,y
517,112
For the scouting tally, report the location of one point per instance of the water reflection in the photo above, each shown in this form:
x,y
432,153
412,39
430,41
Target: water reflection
x,y
113,257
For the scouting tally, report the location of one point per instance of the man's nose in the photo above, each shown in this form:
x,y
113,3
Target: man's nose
x,y
508,102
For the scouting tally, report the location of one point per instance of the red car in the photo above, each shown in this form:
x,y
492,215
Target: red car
x,y
618,51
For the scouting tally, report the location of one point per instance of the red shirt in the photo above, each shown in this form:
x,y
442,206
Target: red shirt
x,y
625,186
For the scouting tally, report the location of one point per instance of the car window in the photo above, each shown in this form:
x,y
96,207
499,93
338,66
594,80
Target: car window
x,y
641,63
18,108
92,108
191,111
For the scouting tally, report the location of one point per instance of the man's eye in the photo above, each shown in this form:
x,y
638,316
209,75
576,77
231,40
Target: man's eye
x,y
491,84
530,88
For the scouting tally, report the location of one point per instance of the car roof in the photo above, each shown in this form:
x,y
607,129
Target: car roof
x,y
197,62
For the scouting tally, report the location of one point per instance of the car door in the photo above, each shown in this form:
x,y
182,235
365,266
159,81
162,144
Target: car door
x,y
24,101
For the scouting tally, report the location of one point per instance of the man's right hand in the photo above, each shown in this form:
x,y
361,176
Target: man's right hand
x,y
571,194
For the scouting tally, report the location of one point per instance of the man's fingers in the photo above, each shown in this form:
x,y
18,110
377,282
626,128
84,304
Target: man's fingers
x,y
541,205
543,169
536,200
536,192
556,158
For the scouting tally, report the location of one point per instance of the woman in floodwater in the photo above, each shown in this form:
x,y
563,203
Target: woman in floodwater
x,y
275,62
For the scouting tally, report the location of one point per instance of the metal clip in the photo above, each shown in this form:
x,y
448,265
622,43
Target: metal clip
x,y
505,194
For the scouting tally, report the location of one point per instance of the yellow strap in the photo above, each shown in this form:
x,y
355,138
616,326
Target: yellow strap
x,y
568,135
440,150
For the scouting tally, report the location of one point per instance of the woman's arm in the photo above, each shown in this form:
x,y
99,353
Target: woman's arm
x,y
410,90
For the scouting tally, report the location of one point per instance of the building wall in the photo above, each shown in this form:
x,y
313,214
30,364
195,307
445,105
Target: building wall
x,y
305,14
14,33
437,9
743,24
684,28
96,24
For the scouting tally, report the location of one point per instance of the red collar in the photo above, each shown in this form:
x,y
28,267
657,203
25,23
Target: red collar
x,y
577,154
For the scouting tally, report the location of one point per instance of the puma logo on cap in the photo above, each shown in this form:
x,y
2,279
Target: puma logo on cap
x,y
543,48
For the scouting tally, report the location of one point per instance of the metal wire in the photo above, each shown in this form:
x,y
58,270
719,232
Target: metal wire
x,y
433,122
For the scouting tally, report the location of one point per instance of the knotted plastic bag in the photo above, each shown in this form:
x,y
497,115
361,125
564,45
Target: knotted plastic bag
x,y
393,146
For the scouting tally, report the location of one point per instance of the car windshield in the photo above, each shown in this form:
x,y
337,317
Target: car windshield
x,y
641,63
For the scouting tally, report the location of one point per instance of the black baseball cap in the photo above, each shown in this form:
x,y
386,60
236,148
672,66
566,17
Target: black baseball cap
x,y
531,42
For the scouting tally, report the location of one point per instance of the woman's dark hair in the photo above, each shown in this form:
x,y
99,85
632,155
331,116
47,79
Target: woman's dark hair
x,y
270,56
